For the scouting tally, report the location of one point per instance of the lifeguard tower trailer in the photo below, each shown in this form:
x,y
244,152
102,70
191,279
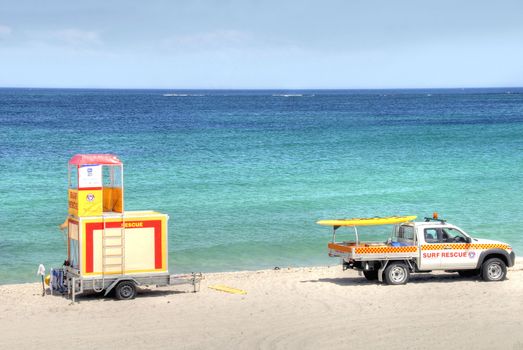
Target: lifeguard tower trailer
x,y
109,248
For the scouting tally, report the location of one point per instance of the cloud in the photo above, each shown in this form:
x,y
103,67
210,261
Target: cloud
x,y
219,39
71,38
5,31
76,37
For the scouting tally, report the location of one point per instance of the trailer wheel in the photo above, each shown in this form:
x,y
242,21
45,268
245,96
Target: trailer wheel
x,y
493,270
125,290
396,273
371,275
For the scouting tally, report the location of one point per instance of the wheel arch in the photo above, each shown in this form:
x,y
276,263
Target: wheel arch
x,y
494,253
117,281
408,262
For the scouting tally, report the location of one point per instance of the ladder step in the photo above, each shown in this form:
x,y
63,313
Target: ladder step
x,y
113,247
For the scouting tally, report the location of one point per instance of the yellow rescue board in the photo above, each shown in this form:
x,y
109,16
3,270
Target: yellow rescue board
x,y
367,221
226,289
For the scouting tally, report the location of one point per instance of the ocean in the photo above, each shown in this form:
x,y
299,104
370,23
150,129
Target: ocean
x,y
244,175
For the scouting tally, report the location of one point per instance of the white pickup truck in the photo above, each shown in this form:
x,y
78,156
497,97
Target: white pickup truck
x,y
420,247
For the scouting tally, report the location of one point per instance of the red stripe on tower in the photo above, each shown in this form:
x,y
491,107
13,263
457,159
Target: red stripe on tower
x,y
89,255
158,244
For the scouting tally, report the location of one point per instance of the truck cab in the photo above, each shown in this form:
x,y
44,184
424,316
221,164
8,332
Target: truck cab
x,y
444,246
416,247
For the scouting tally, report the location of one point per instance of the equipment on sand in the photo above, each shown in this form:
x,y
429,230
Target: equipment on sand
x,y
108,248
41,272
227,289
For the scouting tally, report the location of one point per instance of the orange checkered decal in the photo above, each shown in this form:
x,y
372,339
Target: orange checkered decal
x,y
386,249
464,246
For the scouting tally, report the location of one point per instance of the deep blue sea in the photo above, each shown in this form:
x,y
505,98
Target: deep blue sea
x,y
244,175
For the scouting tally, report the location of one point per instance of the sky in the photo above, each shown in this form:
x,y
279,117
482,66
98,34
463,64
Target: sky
x,y
247,44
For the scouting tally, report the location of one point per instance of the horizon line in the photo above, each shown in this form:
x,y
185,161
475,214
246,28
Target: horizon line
x,y
261,89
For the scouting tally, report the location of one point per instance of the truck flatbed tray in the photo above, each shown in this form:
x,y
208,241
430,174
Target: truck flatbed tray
x,y
366,251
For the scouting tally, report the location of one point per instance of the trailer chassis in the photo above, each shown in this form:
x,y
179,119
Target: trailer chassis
x,y
76,284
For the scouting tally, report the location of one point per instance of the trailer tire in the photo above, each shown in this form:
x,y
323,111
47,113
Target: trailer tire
x,y
125,290
371,275
493,269
396,273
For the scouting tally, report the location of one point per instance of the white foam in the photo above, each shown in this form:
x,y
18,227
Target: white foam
x,y
182,95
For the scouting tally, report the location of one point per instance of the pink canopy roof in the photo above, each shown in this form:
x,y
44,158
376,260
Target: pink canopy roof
x,y
104,159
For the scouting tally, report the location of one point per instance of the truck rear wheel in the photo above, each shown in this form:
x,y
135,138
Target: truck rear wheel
x,y
396,273
371,275
493,269
125,290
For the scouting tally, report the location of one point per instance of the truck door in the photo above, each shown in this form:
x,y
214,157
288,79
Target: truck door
x,y
456,253
430,243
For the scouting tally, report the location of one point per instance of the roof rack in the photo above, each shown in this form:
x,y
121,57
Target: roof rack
x,y
432,219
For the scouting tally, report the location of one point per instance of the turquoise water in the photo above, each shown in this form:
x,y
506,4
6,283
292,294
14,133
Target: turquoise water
x,y
244,175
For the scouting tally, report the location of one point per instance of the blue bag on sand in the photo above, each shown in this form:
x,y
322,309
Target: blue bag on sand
x,y
57,280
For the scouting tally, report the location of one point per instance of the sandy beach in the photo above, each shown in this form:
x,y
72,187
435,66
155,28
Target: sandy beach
x,y
290,308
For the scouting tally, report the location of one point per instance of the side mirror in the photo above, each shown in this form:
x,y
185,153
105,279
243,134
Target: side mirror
x,y
469,240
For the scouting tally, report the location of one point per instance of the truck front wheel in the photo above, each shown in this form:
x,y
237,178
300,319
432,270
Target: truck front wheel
x,y
396,273
493,269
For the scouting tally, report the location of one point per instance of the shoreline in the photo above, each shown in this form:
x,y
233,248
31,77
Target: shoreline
x,y
518,265
304,307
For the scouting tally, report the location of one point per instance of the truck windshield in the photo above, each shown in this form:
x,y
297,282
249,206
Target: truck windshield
x,y
453,235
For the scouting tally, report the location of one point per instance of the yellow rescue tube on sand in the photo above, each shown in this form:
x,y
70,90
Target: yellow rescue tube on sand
x,y
226,289
367,221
